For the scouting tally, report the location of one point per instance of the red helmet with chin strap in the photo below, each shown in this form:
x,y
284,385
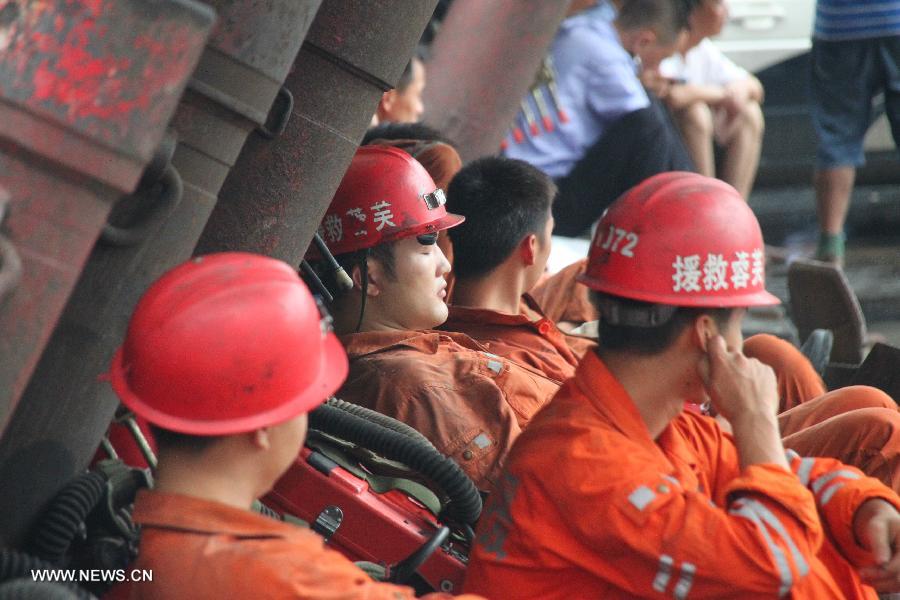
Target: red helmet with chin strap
x,y
385,195
680,239
227,343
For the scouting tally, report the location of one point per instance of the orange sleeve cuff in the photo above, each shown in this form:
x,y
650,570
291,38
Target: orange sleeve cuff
x,y
775,483
839,511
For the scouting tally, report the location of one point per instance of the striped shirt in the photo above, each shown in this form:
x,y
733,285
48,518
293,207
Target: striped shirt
x,y
856,19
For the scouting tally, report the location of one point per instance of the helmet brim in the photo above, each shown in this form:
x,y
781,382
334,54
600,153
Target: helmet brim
x,y
333,372
447,221
757,298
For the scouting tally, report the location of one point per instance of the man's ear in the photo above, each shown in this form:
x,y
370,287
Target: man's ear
x,y
260,438
386,104
704,329
375,277
643,40
528,249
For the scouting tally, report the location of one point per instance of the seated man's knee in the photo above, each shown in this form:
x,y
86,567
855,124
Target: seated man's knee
x,y
696,118
856,397
752,118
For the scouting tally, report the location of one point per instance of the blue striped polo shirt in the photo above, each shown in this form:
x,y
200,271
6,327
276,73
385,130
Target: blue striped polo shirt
x,y
856,19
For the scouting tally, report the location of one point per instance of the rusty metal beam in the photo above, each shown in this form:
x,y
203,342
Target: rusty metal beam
x,y
274,199
485,57
86,91
66,408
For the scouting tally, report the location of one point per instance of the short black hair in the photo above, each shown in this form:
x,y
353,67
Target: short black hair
x,y
649,340
503,200
666,17
404,131
185,442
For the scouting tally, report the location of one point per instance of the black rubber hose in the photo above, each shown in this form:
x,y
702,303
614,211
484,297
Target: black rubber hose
x,y
464,501
377,417
18,565
62,520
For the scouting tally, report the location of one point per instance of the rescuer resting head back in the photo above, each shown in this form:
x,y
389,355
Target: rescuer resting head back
x,y
224,356
382,227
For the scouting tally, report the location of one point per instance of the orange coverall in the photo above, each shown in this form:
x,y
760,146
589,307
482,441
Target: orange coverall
x,y
471,404
200,549
563,298
589,506
528,338
858,425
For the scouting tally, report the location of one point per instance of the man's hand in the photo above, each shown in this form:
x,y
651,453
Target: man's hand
x,y
743,391
738,387
876,526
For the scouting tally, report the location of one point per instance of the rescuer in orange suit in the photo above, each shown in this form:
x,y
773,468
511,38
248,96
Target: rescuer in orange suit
x,y
858,425
224,357
615,491
382,227
501,252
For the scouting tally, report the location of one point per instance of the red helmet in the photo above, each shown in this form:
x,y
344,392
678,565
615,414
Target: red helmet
x,y
385,195
227,343
680,239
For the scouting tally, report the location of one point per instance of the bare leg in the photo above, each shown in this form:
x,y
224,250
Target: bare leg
x,y
696,126
833,188
742,149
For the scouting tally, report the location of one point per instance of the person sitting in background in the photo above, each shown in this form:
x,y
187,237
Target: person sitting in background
x,y
501,250
225,355
382,227
615,490
613,136
713,101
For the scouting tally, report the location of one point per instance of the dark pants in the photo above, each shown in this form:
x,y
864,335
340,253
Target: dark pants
x,y
640,144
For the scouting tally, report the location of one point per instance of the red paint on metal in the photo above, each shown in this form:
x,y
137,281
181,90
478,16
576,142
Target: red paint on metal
x,y
87,86
101,66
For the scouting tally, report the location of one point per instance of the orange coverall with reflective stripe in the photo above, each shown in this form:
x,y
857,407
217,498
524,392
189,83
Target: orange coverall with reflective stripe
x,y
589,506
200,549
858,425
471,404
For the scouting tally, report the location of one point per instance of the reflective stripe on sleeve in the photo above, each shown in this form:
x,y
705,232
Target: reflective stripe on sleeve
x,y
664,574
683,588
829,492
822,481
804,470
772,521
784,571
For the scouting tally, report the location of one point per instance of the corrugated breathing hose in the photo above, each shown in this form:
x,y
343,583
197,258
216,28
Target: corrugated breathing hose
x,y
377,417
62,520
464,502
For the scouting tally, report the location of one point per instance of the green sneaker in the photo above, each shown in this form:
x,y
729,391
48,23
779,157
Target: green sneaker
x,y
831,248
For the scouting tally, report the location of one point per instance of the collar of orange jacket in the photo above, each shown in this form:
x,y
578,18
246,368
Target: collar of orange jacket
x,y
187,513
529,314
610,399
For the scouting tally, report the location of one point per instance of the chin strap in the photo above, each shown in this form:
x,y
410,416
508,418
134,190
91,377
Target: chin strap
x,y
364,273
